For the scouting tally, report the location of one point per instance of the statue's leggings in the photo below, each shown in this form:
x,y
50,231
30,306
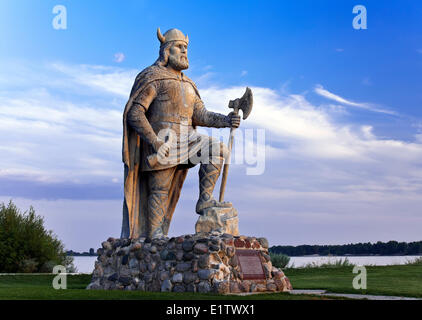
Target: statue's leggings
x,y
159,183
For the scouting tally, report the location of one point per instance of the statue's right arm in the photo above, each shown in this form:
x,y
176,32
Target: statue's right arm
x,y
137,119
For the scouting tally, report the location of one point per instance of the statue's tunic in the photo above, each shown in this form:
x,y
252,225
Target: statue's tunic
x,y
168,102
175,105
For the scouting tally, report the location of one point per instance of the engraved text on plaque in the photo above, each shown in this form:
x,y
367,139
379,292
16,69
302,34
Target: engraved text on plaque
x,y
250,264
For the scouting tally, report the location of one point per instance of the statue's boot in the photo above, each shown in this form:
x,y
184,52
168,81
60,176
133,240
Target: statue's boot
x,y
208,175
157,202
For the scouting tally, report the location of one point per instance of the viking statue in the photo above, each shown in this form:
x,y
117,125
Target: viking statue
x,y
159,122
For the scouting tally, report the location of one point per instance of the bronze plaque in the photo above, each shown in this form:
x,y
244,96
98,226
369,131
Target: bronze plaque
x,y
250,264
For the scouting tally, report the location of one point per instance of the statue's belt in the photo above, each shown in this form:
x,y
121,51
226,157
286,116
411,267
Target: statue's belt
x,y
174,118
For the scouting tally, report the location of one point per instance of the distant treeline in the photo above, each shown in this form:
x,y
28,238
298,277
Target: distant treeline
x,y
379,248
83,254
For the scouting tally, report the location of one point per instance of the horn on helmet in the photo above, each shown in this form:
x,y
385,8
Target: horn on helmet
x,y
160,36
187,39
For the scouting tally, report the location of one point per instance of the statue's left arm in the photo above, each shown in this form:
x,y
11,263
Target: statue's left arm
x,y
204,118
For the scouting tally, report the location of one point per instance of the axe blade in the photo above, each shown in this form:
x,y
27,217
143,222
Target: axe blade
x,y
244,103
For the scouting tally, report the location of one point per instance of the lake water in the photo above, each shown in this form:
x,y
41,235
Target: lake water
x,y
298,262
86,264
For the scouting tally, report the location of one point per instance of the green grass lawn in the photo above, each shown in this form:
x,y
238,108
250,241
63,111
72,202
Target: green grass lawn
x,y
403,280
391,280
40,287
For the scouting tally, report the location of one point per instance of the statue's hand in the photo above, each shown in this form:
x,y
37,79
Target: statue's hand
x,y
234,120
162,148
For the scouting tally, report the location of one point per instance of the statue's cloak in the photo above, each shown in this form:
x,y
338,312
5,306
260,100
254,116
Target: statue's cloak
x,y
135,213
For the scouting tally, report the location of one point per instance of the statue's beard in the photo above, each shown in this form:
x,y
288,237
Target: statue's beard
x,y
179,62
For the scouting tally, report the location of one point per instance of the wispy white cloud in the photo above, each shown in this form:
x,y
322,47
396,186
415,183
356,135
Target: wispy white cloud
x,y
119,57
49,137
205,79
317,169
302,128
111,80
363,105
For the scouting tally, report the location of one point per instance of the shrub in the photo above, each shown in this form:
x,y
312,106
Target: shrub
x,y
279,260
414,262
25,245
330,264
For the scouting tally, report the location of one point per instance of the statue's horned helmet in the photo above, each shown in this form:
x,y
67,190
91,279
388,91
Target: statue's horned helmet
x,y
172,35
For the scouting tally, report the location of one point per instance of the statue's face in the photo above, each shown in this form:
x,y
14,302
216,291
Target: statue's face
x,y
178,58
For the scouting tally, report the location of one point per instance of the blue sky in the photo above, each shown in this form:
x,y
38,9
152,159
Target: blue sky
x,y
340,108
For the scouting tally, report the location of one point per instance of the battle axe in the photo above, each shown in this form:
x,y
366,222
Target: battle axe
x,y
245,104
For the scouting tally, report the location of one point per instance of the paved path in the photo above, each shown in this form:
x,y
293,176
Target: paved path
x,y
349,295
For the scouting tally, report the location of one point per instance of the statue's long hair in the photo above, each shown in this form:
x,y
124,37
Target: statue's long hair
x,y
163,58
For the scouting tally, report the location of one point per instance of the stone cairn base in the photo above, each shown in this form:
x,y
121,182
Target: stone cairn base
x,y
190,263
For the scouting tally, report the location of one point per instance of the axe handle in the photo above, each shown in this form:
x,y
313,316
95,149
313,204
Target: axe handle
x,y
227,163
